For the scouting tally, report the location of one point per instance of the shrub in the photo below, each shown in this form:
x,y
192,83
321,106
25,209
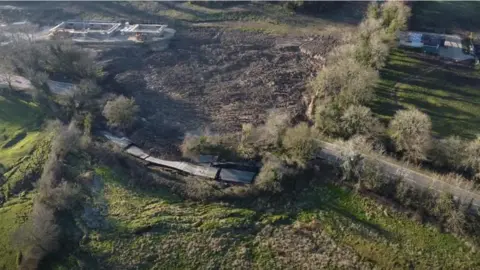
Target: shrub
x,y
352,165
449,152
365,145
299,144
359,120
248,146
371,176
270,177
450,213
264,138
194,146
85,92
120,112
458,181
200,190
411,133
327,119
71,61
472,156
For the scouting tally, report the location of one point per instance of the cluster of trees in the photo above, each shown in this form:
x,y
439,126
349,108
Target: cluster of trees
x,y
342,90
40,60
57,194
351,70
58,191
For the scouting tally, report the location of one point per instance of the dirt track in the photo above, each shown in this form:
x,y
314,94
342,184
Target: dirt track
x,y
211,79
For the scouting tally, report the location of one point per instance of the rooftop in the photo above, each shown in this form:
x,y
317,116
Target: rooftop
x,y
84,27
144,28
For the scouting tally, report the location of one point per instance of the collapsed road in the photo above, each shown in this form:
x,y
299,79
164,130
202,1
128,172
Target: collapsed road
x,y
330,152
213,171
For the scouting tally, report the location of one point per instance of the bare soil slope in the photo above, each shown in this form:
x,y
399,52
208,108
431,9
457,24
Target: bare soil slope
x,y
214,79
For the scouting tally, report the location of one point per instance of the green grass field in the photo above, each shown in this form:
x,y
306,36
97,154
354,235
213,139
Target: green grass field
x,y
19,134
19,123
449,95
11,215
325,226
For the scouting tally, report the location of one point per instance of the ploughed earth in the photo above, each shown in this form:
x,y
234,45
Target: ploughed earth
x,y
213,80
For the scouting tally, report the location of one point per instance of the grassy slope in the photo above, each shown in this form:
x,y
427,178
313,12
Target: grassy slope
x,y
449,95
19,122
151,229
10,217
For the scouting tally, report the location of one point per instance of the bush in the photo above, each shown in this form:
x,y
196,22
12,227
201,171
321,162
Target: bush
x,y
299,144
265,138
449,213
272,174
411,133
194,146
365,145
85,93
449,152
359,120
352,164
371,177
72,62
472,156
120,112
327,119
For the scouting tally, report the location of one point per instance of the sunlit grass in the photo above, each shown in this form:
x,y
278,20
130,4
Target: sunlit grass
x,y
448,94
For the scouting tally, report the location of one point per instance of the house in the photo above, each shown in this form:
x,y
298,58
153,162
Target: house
x,y
448,47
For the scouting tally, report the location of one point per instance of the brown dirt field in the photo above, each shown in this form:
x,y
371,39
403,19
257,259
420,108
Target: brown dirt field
x,y
212,79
